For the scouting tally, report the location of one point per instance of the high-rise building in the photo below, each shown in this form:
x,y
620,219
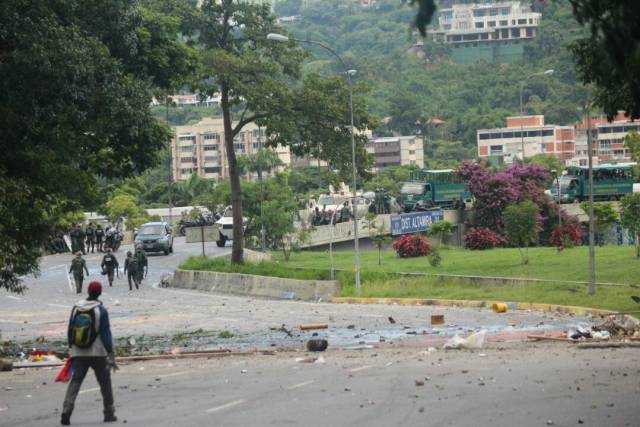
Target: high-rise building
x,y
396,151
200,149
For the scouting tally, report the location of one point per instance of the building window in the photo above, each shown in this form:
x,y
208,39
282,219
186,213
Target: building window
x,y
211,136
210,159
495,149
547,132
185,170
522,21
484,136
186,159
493,12
479,24
504,23
412,152
184,138
515,32
186,149
412,142
212,170
491,23
505,11
211,147
529,32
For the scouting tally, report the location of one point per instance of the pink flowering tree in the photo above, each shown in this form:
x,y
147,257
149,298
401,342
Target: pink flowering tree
x,y
494,191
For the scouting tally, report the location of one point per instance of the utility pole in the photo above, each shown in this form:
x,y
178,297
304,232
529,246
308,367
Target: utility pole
x,y
592,248
166,102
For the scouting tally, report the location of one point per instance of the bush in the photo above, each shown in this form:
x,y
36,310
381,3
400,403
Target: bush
x,y
480,238
567,236
411,245
435,259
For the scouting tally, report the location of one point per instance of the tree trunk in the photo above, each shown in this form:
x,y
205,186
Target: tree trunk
x,y
638,245
234,177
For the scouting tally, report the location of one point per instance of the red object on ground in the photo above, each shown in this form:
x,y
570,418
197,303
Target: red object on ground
x,y
66,372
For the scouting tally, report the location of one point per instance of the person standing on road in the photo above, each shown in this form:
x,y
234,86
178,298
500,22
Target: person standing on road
x,y
78,267
131,269
74,234
143,266
90,231
89,337
110,265
99,236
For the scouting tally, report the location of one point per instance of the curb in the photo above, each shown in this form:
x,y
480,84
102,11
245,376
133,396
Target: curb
x,y
551,308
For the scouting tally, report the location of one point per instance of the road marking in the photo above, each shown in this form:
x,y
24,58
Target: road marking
x,y
302,384
12,297
226,405
361,368
175,374
58,305
89,390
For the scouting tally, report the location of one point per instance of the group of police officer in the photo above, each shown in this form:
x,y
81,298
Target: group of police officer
x,y
135,267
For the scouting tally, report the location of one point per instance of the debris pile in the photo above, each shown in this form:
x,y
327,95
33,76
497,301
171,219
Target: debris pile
x,y
619,327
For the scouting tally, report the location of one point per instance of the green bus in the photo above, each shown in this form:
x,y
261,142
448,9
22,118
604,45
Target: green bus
x,y
434,188
610,182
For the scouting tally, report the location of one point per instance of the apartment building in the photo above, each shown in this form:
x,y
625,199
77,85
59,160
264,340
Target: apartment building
x,y
486,31
396,151
608,139
528,133
200,149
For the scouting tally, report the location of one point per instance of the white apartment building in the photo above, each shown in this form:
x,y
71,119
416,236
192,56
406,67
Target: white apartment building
x,y
396,151
608,139
486,22
200,149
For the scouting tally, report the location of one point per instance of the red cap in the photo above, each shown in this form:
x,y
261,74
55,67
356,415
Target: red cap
x,y
95,289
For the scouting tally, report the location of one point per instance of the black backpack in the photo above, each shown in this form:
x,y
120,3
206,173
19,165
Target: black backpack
x,y
83,328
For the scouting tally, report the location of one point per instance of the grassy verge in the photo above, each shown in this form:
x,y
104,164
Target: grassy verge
x,y
613,264
271,269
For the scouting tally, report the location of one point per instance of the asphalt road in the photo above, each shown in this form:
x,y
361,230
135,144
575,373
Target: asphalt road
x,y
536,385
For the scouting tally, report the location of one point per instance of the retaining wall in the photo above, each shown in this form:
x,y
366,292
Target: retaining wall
x,y
259,286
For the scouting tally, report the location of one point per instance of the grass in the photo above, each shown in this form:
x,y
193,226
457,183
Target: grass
x,y
613,264
270,269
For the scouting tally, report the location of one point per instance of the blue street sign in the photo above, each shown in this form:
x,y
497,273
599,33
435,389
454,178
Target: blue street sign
x,y
414,222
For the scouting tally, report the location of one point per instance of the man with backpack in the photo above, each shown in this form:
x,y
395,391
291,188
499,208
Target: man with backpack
x,y
78,267
131,269
109,265
89,337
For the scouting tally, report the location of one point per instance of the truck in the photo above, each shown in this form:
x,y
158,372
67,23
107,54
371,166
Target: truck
x,y
610,182
428,189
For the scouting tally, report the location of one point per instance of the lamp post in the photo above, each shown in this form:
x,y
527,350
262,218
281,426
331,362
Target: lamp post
x,y
557,175
349,73
592,247
522,85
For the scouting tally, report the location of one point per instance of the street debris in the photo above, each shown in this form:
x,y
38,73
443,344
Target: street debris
x,y
437,319
499,307
475,340
419,383
317,344
392,320
310,359
309,326
6,365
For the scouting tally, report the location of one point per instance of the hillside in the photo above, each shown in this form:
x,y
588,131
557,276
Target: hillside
x,y
377,41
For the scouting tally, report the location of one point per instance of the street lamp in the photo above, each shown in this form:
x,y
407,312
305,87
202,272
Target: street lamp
x,y
522,85
557,175
349,73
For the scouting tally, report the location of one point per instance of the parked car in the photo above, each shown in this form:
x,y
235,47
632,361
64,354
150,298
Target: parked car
x,y
225,227
155,237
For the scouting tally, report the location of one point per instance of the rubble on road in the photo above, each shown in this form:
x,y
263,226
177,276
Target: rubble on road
x,y
475,340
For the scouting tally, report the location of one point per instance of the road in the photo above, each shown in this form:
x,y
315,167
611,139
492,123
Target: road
x,y
542,384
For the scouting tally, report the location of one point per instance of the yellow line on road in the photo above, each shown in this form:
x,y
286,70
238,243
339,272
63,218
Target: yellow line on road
x,y
302,384
226,406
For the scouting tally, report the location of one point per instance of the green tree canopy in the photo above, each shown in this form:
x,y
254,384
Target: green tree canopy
x,y
521,226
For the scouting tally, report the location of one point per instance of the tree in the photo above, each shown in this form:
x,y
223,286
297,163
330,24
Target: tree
x,y
604,215
442,229
632,144
521,226
76,82
378,233
630,216
604,59
254,77
264,160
